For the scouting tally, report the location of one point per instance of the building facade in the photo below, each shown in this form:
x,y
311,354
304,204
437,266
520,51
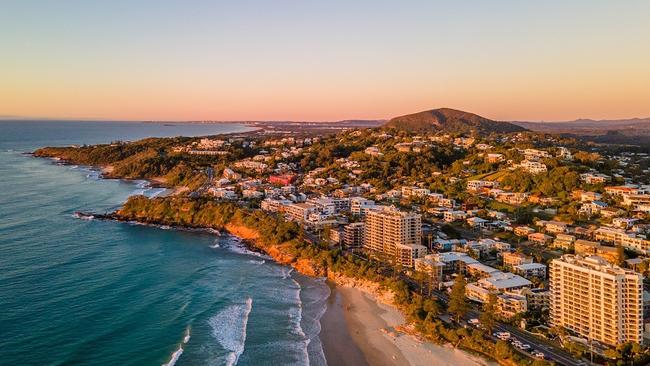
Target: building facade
x,y
388,227
596,300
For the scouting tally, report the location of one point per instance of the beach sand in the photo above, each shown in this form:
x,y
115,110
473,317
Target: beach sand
x,y
338,345
370,325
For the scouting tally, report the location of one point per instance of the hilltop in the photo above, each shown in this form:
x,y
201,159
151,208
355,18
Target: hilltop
x,y
451,120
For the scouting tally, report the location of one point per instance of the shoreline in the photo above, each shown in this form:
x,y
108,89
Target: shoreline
x,y
357,328
375,329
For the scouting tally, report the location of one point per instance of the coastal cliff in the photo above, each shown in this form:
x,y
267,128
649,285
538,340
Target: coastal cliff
x,y
281,253
262,232
283,241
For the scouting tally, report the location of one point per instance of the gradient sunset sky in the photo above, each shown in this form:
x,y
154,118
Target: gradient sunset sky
x,y
323,60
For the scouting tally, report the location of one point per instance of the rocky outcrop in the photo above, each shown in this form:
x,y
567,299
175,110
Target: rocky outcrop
x,y
375,289
281,253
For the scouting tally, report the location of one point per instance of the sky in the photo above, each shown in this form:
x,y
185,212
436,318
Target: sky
x,y
323,60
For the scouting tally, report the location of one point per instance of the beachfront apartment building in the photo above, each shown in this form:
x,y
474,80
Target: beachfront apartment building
x,y
596,300
389,231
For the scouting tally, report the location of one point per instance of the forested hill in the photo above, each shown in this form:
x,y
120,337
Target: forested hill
x,y
451,120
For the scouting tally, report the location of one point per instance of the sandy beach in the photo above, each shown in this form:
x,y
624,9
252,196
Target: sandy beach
x,y
358,330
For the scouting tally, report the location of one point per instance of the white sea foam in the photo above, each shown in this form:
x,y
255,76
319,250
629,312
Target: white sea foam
x,y
77,215
295,315
252,261
229,329
235,244
175,356
187,335
213,231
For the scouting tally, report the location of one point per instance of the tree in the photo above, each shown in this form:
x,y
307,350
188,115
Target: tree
x,y
487,316
502,350
457,304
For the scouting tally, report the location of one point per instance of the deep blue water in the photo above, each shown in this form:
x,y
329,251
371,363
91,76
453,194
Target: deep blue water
x,y
78,292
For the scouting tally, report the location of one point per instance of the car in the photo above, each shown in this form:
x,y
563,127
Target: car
x,y
504,336
538,355
525,346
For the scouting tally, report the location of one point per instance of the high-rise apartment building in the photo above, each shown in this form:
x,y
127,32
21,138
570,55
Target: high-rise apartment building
x,y
597,300
389,232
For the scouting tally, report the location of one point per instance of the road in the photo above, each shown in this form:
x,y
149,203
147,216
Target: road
x,y
551,352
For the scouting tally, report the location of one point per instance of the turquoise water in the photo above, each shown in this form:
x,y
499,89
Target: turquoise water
x,y
78,292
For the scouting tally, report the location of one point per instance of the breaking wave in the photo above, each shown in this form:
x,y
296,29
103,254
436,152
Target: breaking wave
x,y
177,354
229,329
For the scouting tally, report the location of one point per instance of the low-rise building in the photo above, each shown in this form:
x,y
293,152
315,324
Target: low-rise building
x,y
564,241
510,260
359,206
539,238
476,185
533,167
511,304
531,270
431,267
504,281
353,234
587,248
300,211
523,230
408,253
455,262
454,215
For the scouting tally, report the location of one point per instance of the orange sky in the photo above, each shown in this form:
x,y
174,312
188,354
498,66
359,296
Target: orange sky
x,y
324,61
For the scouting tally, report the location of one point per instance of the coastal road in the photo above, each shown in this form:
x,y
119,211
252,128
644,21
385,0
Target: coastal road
x,y
551,352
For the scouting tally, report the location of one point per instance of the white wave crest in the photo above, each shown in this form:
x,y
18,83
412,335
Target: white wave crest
x,y
175,356
229,329
77,215
187,335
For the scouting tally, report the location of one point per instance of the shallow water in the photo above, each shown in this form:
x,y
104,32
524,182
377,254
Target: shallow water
x,y
87,292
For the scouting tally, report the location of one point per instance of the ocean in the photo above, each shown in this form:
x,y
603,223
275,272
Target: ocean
x,y
87,292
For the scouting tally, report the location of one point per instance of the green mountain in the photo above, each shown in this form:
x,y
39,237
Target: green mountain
x,y
451,120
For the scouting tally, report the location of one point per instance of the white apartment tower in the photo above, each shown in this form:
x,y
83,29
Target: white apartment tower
x,y
597,300
388,229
